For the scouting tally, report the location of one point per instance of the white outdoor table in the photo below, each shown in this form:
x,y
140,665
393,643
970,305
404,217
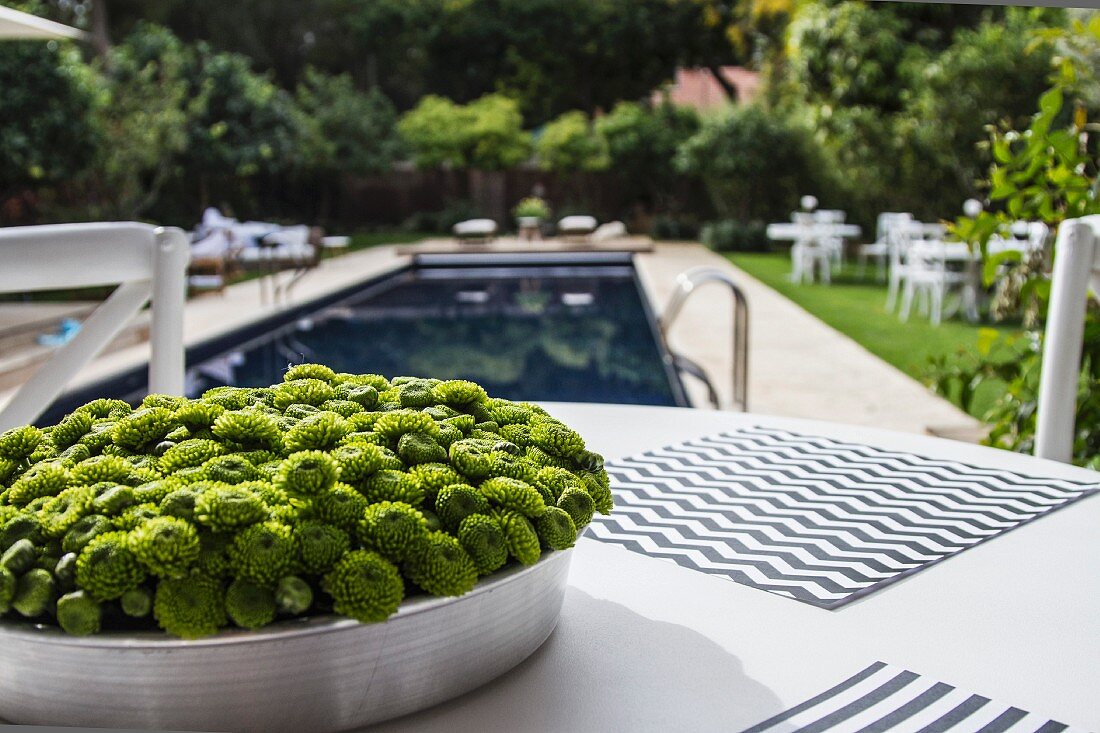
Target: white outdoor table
x,y
795,232
648,645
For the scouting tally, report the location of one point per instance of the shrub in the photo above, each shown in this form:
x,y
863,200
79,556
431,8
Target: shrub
x,y
570,143
730,235
754,164
486,134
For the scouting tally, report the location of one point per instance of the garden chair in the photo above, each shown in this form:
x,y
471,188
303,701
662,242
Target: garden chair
x,y
1076,270
609,231
879,250
902,236
927,276
807,253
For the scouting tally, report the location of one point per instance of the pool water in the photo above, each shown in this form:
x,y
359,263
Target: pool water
x,y
580,333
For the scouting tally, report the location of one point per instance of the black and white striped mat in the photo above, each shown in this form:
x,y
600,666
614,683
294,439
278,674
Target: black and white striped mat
x,y
812,518
885,698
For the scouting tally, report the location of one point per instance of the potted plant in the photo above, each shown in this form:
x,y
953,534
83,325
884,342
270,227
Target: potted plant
x,y
530,213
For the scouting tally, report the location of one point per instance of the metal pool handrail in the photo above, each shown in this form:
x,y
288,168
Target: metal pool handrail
x,y
688,282
149,265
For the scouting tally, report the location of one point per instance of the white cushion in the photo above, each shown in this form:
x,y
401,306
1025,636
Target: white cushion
x,y
577,224
475,228
608,231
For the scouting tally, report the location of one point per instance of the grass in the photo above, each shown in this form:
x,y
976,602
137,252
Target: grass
x,y
375,239
857,308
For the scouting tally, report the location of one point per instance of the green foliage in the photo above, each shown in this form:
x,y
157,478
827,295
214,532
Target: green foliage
x,y
730,235
642,143
486,134
569,143
532,207
735,151
215,532
47,130
345,130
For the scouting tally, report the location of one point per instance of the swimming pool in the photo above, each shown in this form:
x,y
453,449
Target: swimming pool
x,y
527,327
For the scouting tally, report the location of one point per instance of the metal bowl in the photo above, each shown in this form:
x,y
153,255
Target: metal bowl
x,y
325,673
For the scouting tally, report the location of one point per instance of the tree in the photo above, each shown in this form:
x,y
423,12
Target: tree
x,y
345,130
143,120
486,134
569,144
642,143
47,136
753,163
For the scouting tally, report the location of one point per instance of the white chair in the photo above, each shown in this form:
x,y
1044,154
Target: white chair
x,y
147,263
1076,270
879,250
808,256
903,235
928,277
609,231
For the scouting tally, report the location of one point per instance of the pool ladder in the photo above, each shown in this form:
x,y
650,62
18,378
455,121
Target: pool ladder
x,y
688,282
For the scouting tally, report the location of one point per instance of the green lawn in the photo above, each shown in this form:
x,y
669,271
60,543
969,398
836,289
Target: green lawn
x,y
857,307
375,239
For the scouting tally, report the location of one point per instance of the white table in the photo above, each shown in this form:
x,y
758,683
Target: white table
x,y
647,645
809,250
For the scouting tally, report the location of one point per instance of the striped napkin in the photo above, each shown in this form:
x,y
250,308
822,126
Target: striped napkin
x,y
812,518
886,698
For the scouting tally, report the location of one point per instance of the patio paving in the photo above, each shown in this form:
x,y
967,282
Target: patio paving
x,y
798,366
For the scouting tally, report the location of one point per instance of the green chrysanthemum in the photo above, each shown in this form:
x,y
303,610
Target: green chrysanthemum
x,y
166,546
142,428
356,461
79,614
102,468
190,607
229,398
556,529
103,407
388,485
180,503
554,481
472,458
228,508
106,567
519,535
293,595
554,437
35,592
134,516
458,501
307,472
510,493
598,485
136,603
84,530
483,539
458,392
343,408
303,391
112,500
441,567
67,508
392,528
364,586
72,428
340,506
188,454
250,605
263,552
231,469
363,395
516,433
434,476
320,431
310,371
416,394
197,415
416,448
394,424
20,442
579,505
248,428
319,546
44,479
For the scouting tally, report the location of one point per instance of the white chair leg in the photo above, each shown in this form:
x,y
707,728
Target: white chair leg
x,y
906,300
936,296
892,290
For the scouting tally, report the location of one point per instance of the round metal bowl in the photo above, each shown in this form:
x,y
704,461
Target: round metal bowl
x,y
325,673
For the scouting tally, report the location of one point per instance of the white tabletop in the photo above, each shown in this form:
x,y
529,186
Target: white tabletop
x,y
647,645
789,230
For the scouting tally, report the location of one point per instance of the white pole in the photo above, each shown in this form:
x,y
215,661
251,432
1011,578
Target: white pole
x,y
171,255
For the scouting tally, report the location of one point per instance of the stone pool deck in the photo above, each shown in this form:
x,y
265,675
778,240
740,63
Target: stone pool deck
x,y
798,366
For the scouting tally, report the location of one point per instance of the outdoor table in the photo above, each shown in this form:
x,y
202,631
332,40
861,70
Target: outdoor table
x,y
647,645
810,235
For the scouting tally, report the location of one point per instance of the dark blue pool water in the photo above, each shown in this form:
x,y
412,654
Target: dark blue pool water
x,y
578,333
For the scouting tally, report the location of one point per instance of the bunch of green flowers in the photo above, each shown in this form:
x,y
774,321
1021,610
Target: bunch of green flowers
x,y
327,492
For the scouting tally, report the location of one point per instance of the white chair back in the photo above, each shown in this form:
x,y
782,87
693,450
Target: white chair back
x,y
1076,270
888,221
829,216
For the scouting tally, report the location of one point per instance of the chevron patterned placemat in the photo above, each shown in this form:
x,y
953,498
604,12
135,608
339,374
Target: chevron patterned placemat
x,y
812,518
886,698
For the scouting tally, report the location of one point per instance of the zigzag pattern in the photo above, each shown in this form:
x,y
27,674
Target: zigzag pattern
x,y
812,518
